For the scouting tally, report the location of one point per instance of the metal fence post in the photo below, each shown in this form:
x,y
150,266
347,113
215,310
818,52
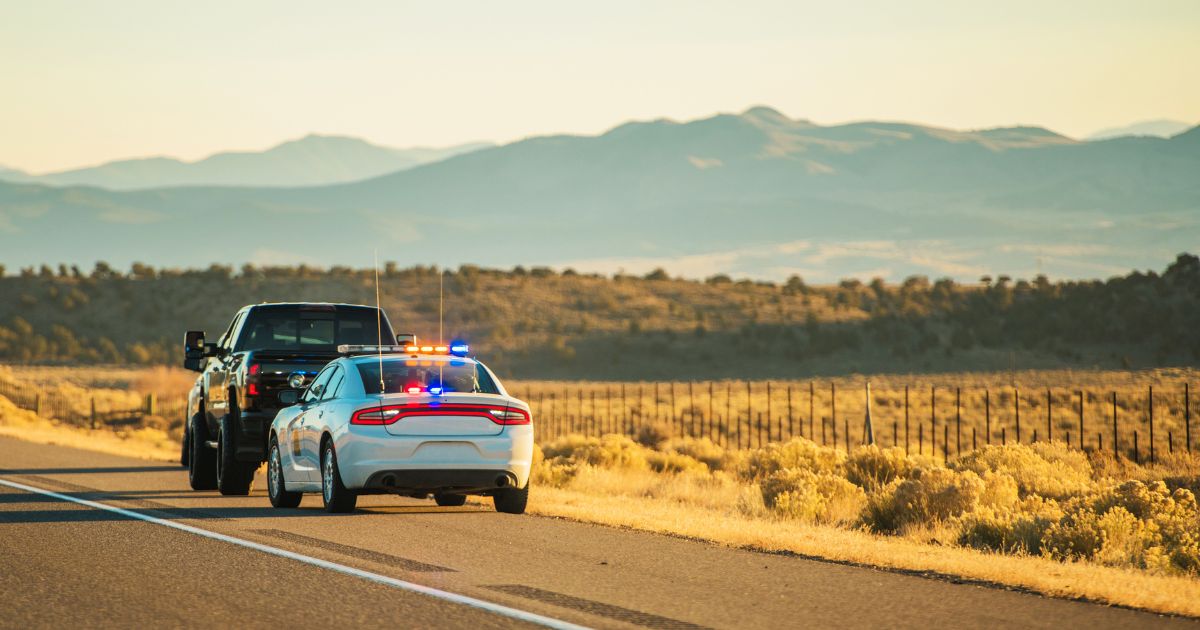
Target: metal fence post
x,y
958,420
833,411
906,420
1080,420
812,395
93,412
1116,447
1049,411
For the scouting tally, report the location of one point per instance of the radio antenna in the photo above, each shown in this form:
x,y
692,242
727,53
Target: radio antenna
x,y
378,324
441,318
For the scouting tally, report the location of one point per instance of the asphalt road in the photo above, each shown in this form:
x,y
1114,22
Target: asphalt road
x,y
67,564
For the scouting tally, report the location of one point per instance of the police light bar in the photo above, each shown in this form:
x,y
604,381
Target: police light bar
x,y
457,349
359,349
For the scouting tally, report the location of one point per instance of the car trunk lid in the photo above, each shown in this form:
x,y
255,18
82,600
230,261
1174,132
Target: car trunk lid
x,y
448,415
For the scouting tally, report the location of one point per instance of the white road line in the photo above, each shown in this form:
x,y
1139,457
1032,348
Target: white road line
x,y
513,613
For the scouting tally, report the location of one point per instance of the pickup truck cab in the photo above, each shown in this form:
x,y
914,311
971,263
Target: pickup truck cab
x,y
267,349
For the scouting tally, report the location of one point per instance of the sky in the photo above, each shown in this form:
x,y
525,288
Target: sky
x,y
88,82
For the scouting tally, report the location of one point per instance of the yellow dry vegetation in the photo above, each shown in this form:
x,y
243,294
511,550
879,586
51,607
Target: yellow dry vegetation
x,y
141,442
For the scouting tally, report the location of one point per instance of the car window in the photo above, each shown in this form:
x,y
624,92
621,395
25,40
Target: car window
x,y
322,379
427,375
225,338
335,383
310,328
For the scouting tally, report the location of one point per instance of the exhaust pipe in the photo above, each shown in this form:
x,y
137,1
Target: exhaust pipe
x,y
388,481
502,481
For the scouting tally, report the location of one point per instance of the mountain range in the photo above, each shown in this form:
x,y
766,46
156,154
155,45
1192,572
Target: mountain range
x,y
755,194
310,161
1157,128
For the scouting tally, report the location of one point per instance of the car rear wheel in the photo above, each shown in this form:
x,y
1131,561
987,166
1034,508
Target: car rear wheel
x,y
335,495
233,477
276,484
446,499
202,460
511,500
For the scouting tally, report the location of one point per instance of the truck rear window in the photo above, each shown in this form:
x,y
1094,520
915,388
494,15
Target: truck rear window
x,y
296,328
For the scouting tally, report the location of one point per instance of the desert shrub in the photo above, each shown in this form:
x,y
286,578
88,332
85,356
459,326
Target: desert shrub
x,y
653,435
702,449
928,496
797,453
1144,525
1046,469
1017,530
871,467
815,497
671,462
609,451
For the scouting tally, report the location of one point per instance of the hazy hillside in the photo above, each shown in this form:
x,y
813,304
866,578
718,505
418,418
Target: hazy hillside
x,y
753,194
1157,128
539,324
310,161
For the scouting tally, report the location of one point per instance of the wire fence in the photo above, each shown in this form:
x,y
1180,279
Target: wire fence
x,y
937,421
89,410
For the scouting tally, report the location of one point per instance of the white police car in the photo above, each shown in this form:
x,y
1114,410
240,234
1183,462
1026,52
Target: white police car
x,y
413,420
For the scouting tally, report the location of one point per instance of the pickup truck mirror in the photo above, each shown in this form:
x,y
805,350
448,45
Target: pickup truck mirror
x,y
194,350
289,397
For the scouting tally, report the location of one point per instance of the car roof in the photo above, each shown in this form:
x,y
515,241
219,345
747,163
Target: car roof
x,y
336,305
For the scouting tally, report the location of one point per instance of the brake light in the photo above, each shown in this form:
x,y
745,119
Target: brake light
x,y
252,380
499,414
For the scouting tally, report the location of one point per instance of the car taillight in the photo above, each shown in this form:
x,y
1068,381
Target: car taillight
x,y
388,414
509,415
375,415
252,389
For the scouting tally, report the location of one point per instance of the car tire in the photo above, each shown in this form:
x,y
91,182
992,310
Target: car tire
x,y
276,485
202,460
511,500
446,499
234,478
334,494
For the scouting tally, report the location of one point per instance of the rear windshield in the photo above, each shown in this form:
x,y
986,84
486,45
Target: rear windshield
x,y
311,328
451,375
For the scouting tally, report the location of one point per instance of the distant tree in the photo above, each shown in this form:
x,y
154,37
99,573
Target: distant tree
x,y
719,279
657,274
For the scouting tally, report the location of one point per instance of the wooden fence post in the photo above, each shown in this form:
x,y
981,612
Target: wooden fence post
x,y
37,404
93,412
1116,447
987,415
906,434
1150,400
1187,415
1049,407
791,419
1081,433
1017,407
958,421
833,411
812,394
933,420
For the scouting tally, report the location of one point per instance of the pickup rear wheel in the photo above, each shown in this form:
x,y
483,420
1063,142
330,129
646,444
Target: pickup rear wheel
x,y
446,499
202,460
511,500
335,495
276,485
233,477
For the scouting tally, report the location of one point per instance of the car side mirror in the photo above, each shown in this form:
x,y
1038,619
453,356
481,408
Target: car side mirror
x,y
289,397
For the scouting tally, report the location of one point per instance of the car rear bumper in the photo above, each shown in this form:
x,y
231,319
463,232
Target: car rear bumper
x,y
371,459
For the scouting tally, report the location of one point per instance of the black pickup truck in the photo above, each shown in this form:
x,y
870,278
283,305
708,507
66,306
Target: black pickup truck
x,y
268,349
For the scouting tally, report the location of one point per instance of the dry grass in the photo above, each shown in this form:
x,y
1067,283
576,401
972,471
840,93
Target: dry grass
x,y
723,525
143,442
